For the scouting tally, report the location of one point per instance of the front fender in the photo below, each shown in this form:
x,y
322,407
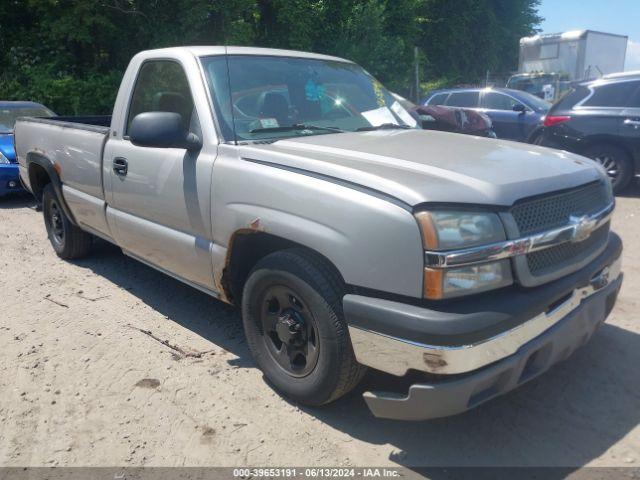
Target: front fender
x,y
373,242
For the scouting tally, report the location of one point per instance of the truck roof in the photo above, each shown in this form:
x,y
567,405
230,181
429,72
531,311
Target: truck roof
x,y
209,50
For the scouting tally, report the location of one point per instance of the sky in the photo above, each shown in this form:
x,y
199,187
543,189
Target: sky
x,y
611,16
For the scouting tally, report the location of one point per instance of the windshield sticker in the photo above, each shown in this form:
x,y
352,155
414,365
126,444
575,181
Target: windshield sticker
x,y
377,88
403,114
268,123
313,92
379,116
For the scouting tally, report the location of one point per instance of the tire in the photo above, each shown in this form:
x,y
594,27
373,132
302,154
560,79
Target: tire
x,y
615,161
67,240
536,139
292,304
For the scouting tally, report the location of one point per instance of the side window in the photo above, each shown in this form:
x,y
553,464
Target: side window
x,y
161,86
572,98
612,95
463,99
634,100
550,50
498,101
438,99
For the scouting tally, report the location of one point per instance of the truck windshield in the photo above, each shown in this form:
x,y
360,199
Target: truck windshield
x,y
9,115
268,97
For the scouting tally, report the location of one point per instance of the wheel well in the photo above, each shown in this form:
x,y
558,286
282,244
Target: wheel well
x,y
38,179
246,249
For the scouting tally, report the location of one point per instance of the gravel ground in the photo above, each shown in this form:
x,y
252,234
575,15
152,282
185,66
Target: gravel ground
x,y
85,379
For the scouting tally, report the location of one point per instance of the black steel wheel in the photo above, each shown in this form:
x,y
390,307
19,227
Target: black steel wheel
x,y
67,240
295,328
289,331
56,225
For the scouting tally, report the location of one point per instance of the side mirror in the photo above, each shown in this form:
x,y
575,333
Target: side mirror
x,y
520,108
162,130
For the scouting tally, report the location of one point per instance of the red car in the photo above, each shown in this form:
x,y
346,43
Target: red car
x,y
450,119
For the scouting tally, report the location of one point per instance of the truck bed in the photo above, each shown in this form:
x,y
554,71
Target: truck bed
x,y
99,123
74,145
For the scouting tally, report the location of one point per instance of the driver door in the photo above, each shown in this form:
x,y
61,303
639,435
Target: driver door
x,y
160,197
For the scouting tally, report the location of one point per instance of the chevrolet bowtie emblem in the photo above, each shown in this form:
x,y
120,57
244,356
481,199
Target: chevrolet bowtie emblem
x,y
582,227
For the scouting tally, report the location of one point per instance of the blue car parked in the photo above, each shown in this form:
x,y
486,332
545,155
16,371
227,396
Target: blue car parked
x,y
516,115
9,112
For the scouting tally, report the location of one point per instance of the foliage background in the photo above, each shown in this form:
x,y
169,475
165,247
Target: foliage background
x,y
70,54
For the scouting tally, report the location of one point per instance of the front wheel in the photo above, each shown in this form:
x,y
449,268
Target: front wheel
x,y
67,240
295,328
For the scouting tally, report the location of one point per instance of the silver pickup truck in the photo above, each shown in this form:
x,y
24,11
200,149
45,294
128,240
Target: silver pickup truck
x,y
295,186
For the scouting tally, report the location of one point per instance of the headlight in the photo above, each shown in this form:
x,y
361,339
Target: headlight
x,y
453,230
3,159
448,230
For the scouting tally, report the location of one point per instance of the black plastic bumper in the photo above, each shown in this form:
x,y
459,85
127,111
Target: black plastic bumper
x,y
466,391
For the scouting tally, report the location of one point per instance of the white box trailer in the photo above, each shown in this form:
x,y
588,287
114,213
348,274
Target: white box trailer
x,y
580,54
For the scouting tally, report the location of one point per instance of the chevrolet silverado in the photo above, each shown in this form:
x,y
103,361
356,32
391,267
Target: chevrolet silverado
x,y
295,186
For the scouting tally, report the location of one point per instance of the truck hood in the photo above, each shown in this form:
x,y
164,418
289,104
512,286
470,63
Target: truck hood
x,y
419,166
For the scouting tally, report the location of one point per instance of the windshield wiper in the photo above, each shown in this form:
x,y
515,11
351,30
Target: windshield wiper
x,y
384,126
296,127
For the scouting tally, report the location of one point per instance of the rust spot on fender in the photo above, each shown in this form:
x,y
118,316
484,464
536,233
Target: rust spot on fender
x,y
58,169
256,225
433,361
218,281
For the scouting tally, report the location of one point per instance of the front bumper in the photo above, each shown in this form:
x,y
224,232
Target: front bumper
x,y
479,371
9,179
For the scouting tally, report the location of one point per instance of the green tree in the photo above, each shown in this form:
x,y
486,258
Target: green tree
x,y
71,54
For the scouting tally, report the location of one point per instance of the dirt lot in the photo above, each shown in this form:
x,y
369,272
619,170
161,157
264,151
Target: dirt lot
x,y
81,383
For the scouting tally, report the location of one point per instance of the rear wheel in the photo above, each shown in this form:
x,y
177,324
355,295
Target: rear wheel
x,y
615,161
67,240
537,139
295,328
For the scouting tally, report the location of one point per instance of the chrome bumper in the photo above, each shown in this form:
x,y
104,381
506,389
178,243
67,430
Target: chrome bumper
x,y
397,356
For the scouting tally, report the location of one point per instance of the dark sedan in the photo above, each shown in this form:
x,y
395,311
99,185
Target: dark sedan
x,y
515,115
600,120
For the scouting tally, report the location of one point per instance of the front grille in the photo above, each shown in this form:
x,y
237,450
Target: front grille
x,y
563,256
553,211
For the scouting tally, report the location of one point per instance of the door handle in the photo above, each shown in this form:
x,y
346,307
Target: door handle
x,y
632,123
120,166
